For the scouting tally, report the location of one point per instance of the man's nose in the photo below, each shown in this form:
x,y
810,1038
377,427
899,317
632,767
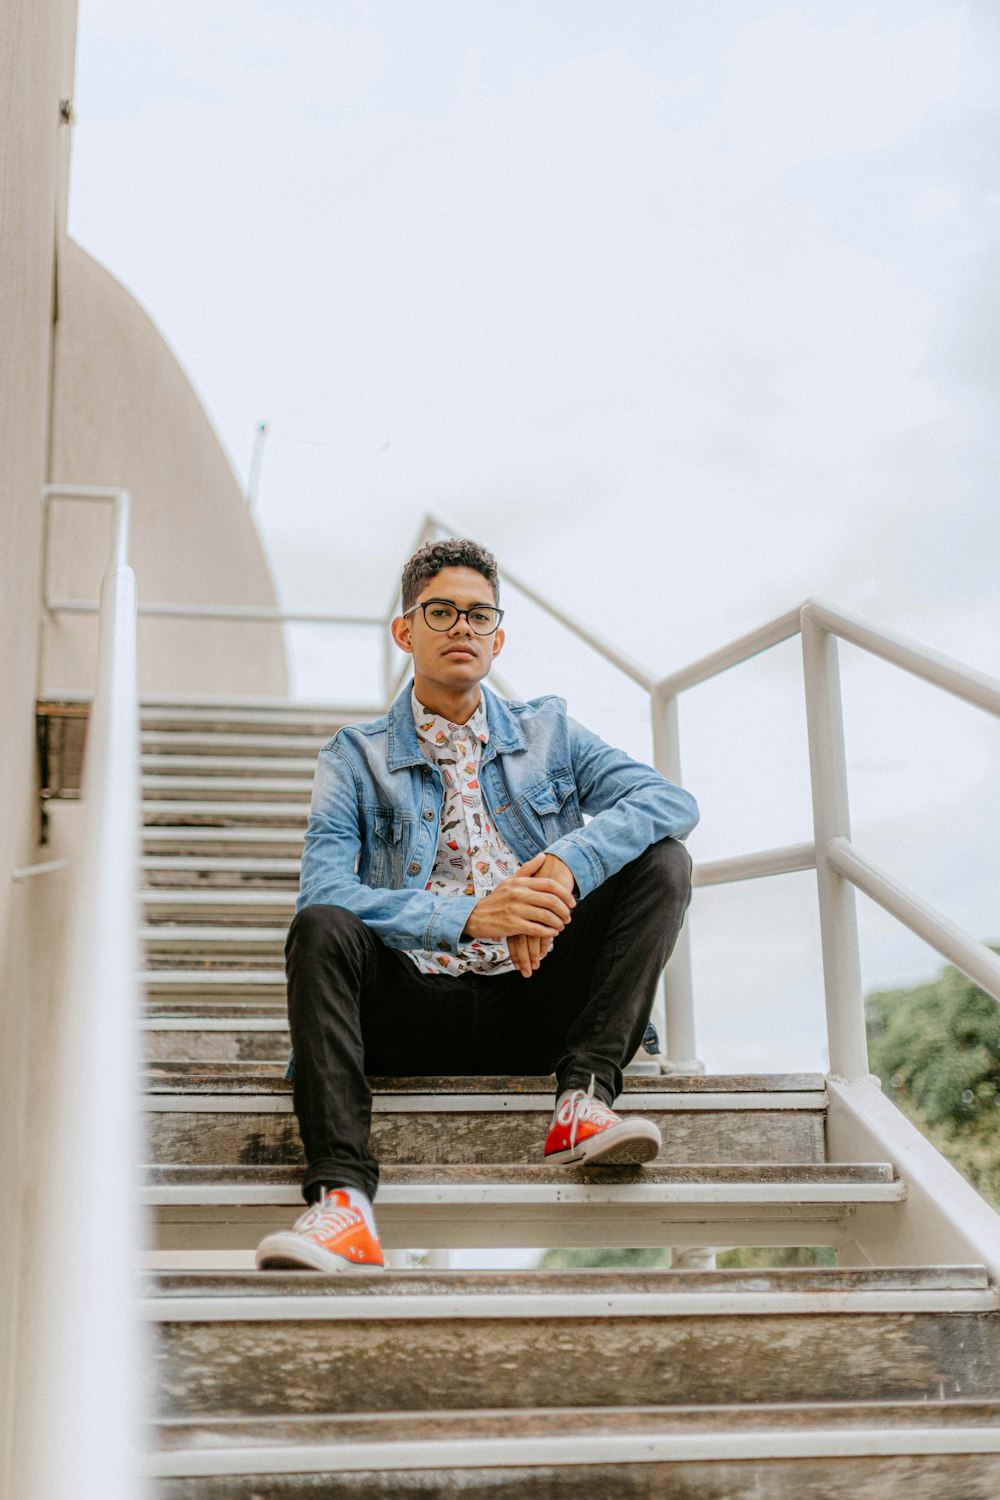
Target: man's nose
x,y
461,624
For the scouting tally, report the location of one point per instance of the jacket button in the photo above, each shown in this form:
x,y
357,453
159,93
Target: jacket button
x,y
429,814
414,868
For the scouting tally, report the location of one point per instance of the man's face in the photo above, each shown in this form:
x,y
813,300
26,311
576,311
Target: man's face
x,y
458,657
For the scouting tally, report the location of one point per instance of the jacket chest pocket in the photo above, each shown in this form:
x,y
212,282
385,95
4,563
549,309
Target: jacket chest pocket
x,y
555,804
388,847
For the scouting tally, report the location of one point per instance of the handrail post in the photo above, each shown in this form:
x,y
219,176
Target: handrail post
x,y
681,1050
845,1010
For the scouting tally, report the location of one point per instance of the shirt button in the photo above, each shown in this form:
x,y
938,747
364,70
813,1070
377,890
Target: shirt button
x,y
429,814
414,868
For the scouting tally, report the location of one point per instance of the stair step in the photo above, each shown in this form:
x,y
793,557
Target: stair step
x,y
513,1091
163,905
208,766
815,1182
598,1283
230,746
219,1041
258,789
229,1112
728,1452
231,1207
422,1296
197,872
466,1345
205,812
273,718
189,1008
231,982
241,941
198,840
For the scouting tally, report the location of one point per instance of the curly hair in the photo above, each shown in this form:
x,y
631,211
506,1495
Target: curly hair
x,y
456,552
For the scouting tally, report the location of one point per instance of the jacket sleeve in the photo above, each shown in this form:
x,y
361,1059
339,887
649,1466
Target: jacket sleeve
x,y
407,918
630,807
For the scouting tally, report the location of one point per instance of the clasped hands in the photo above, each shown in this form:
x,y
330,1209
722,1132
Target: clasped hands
x,y
530,908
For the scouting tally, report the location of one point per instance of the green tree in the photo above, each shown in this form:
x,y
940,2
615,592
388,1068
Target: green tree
x,y
741,1258
936,1048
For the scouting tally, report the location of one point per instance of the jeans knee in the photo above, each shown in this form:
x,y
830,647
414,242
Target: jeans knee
x,y
322,926
669,864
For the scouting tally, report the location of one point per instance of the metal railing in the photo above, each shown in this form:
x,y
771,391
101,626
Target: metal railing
x,y
82,1402
840,867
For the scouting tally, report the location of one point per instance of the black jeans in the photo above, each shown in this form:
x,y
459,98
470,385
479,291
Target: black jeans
x,y
357,1007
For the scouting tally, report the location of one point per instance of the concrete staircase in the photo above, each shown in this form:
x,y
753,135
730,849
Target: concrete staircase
x,y
740,1384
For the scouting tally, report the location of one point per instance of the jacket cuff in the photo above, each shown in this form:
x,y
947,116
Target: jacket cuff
x,y
588,872
443,933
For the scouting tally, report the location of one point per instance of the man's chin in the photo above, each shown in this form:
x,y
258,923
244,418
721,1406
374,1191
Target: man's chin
x,y
454,672
464,668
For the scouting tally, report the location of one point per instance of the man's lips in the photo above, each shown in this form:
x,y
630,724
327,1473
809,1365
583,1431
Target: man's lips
x,y
460,651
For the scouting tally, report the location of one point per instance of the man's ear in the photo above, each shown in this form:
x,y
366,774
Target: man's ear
x,y
400,628
498,641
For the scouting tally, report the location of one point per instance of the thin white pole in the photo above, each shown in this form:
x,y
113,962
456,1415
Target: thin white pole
x,y
256,459
845,1011
678,1012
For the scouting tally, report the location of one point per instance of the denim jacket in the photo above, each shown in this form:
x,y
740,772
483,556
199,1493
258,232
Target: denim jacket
x,y
376,807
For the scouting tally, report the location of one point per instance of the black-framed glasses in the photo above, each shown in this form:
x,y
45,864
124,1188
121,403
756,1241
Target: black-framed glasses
x,y
442,614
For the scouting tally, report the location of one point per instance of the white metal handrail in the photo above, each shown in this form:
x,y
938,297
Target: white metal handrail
x,y
261,612
83,1398
974,958
839,867
609,652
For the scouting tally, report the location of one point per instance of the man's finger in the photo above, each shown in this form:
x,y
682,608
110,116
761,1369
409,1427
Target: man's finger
x,y
526,927
545,901
519,950
544,883
538,917
537,949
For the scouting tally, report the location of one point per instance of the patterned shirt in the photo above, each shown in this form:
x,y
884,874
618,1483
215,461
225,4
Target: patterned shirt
x,y
472,856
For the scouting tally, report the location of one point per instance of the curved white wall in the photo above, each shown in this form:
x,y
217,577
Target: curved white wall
x,y
124,413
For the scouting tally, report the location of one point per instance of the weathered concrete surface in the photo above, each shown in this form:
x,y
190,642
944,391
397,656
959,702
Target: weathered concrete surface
x,y
310,1367
945,1477
472,1138
217,1046
537,1174
593,1421
666,1084
602,1281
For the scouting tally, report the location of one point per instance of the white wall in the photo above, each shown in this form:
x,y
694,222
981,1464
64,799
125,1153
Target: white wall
x,y
124,413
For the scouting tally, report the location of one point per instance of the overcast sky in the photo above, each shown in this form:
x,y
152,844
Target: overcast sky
x,y
690,310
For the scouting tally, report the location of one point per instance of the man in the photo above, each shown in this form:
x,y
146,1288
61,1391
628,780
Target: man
x,y
457,916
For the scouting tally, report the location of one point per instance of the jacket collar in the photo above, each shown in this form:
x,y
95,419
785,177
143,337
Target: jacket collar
x,y
404,747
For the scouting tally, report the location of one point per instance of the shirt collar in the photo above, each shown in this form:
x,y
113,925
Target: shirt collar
x,y
431,726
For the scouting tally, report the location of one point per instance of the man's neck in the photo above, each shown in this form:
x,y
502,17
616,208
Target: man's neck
x,y
457,707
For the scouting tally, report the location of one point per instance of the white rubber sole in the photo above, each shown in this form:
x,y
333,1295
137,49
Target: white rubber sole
x,y
629,1143
287,1251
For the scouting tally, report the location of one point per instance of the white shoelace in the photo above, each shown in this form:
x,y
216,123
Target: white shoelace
x,y
326,1218
582,1105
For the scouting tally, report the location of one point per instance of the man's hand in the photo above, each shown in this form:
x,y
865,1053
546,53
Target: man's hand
x,y
529,905
527,952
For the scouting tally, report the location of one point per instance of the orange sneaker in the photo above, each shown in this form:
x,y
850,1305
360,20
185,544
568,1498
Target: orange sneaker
x,y
584,1130
337,1233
